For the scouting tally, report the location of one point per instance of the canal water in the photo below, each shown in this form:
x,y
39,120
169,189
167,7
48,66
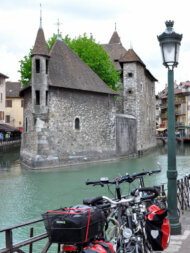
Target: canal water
x,y
25,194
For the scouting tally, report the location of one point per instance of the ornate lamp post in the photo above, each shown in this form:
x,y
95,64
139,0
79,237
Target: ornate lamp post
x,y
170,44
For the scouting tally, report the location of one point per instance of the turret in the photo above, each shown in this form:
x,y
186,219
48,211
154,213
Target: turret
x,y
40,62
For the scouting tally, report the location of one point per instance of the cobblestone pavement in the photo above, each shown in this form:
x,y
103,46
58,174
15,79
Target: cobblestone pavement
x,y
181,243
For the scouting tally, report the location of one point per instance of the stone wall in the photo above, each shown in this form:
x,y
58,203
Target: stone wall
x,y
139,101
95,113
58,141
126,134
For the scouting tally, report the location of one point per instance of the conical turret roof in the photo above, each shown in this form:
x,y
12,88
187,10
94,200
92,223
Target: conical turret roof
x,y
40,47
115,39
131,56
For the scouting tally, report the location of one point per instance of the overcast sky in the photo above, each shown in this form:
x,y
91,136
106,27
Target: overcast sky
x,y
138,24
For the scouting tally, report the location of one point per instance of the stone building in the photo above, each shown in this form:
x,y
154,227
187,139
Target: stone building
x,y
69,112
70,115
137,95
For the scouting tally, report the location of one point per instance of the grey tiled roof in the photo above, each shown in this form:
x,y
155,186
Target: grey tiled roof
x,y
131,56
67,70
115,51
13,89
115,38
40,47
3,75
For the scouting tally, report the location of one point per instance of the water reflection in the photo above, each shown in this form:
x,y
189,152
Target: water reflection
x,y
9,162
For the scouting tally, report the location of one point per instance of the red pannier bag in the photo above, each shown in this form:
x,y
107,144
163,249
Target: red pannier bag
x,y
157,228
99,247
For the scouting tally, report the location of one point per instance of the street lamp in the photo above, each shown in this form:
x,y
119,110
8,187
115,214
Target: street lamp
x,y
170,44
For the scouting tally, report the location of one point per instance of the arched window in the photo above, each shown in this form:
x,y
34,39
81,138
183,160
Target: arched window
x,y
77,124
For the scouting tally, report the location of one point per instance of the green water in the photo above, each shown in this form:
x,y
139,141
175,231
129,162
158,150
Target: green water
x,y
25,194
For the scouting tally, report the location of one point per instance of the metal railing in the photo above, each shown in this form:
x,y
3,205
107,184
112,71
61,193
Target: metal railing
x,y
183,193
11,247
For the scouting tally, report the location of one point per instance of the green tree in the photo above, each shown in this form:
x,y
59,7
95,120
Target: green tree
x,y
92,53
96,58
26,68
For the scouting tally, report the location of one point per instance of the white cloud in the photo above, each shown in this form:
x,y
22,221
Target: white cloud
x,y
138,23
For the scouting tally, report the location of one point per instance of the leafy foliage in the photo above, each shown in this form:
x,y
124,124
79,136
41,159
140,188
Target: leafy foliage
x,y
26,68
96,58
89,51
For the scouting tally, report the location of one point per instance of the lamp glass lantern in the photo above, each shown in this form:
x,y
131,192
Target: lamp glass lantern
x,y
170,42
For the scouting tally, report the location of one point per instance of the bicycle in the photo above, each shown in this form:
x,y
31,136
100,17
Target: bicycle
x,y
121,220
125,228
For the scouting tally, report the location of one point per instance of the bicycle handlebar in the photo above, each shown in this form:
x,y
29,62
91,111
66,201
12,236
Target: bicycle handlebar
x,y
127,178
152,190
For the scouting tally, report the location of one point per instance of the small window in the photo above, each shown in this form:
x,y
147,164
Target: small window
x,y
1,97
26,125
77,124
37,65
129,91
47,63
7,118
8,103
130,74
22,103
46,97
37,97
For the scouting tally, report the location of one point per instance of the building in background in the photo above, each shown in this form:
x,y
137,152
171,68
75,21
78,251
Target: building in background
x,y
2,97
14,105
182,108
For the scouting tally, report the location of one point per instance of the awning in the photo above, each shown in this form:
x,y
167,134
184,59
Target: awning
x,y
161,129
7,128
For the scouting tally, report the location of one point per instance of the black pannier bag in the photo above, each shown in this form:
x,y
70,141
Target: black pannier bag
x,y
157,228
78,224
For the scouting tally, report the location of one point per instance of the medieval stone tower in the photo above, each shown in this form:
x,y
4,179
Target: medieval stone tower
x,y
137,94
40,90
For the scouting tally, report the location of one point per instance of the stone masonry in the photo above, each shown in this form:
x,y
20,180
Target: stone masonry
x,y
139,101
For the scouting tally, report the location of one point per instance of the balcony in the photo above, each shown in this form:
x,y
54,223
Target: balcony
x,y
179,124
179,101
163,105
180,112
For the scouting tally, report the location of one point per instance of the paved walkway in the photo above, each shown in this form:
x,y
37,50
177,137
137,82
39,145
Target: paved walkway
x,y
181,243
